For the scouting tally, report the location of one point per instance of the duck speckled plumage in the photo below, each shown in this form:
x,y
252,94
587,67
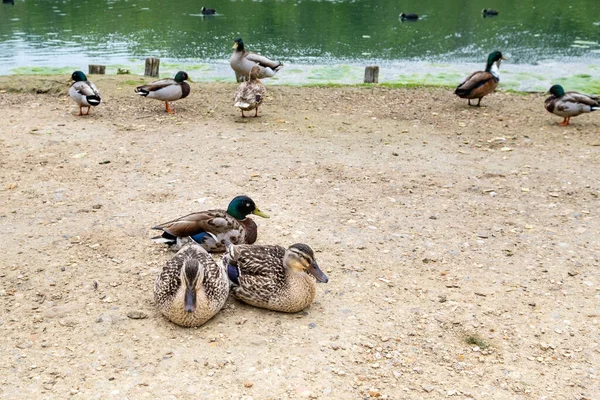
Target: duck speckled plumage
x,y
570,104
191,288
481,83
84,92
167,89
251,93
212,229
242,61
273,277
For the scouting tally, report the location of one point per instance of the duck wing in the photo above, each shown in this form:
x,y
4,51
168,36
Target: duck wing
x,y
581,99
473,81
212,221
155,86
262,61
255,268
86,88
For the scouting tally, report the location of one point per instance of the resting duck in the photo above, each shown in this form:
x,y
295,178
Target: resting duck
x,y
242,61
250,94
84,92
208,11
488,12
570,104
273,277
481,83
191,288
167,89
409,17
213,228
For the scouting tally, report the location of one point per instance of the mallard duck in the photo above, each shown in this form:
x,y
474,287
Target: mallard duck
x,y
488,12
273,277
242,61
250,94
570,104
191,288
212,229
84,92
481,83
208,11
167,89
409,17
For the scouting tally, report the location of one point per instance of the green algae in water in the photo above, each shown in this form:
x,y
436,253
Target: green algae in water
x,y
44,70
333,72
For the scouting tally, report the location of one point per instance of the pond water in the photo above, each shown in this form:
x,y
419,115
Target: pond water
x,y
320,41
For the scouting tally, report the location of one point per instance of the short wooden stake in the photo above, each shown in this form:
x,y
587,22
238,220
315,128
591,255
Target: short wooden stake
x,y
152,64
96,69
372,74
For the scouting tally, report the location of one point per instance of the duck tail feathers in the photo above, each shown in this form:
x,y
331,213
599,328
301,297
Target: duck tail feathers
x,y
93,100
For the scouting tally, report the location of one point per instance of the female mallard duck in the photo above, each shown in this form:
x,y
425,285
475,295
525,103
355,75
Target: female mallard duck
x,y
167,89
409,17
84,92
481,83
570,104
488,12
242,61
191,288
250,94
273,277
213,228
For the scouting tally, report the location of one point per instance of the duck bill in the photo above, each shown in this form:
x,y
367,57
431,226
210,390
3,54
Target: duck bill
x,y
260,213
190,80
190,300
315,271
235,45
504,58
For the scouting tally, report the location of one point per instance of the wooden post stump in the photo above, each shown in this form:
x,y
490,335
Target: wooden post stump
x,y
152,64
372,74
96,69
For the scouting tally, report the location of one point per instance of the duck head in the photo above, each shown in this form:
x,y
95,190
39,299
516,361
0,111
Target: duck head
x,y
182,76
190,279
300,257
254,72
557,91
78,76
495,57
241,206
238,44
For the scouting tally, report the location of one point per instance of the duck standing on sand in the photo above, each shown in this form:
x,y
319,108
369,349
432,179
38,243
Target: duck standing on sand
x,y
84,92
570,104
242,61
273,277
167,89
481,83
191,288
212,228
250,94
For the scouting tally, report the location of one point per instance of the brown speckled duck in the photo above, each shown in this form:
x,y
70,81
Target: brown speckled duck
x,y
273,277
251,93
191,288
213,228
481,83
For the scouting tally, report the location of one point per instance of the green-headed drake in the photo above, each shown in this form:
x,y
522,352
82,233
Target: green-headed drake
x,y
191,288
570,104
481,83
273,277
242,61
212,229
167,89
84,92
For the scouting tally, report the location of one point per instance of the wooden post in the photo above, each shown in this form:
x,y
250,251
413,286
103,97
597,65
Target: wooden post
x,y
372,74
152,66
96,69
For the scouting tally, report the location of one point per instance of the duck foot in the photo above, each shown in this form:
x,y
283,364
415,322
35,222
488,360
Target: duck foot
x,y
169,109
565,122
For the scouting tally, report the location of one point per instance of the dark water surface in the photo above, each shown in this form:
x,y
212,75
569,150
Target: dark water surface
x,y
320,41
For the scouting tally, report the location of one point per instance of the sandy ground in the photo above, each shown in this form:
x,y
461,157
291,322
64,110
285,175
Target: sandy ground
x,y
461,244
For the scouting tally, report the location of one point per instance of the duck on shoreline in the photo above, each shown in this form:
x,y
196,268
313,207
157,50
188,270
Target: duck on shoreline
x,y
481,83
570,104
242,61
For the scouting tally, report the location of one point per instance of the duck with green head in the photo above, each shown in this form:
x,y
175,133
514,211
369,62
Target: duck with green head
x,y
212,229
84,92
570,104
167,89
242,61
191,288
481,83
273,277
